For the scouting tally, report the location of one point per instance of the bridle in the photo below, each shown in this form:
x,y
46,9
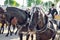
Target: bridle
x,y
43,29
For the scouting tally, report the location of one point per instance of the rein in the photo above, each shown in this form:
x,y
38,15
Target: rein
x,y
43,29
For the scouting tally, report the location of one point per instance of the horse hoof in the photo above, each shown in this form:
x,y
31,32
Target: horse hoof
x,y
11,34
15,33
6,36
2,33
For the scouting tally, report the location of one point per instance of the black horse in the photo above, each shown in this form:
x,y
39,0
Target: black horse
x,y
20,15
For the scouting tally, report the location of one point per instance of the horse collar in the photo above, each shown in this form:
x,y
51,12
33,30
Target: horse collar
x,y
43,29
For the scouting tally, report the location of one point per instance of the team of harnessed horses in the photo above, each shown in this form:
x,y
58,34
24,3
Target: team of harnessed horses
x,y
26,24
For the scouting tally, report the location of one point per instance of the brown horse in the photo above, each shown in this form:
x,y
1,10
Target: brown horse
x,y
13,26
30,28
43,32
14,21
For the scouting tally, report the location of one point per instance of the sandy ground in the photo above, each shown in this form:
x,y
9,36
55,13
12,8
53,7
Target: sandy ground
x,y
13,37
16,37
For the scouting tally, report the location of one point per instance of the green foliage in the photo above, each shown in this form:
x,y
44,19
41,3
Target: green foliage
x,y
47,5
56,1
38,2
11,3
29,2
33,1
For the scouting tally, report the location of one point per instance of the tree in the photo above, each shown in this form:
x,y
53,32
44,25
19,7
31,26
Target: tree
x,y
33,1
56,1
38,2
47,5
29,2
11,3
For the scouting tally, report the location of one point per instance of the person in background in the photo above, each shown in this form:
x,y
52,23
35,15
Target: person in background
x,y
53,11
51,15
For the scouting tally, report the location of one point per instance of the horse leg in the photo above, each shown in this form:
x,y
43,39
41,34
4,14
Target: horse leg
x,y
0,31
27,38
7,34
2,28
16,30
32,37
53,37
11,32
51,25
13,29
6,25
21,36
8,30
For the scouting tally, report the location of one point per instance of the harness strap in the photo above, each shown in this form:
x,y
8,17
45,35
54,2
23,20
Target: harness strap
x,y
31,16
43,29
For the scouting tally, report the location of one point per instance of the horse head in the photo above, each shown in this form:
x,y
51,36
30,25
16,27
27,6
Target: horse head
x,y
42,19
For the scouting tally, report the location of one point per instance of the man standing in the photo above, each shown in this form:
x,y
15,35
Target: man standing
x,y
53,11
